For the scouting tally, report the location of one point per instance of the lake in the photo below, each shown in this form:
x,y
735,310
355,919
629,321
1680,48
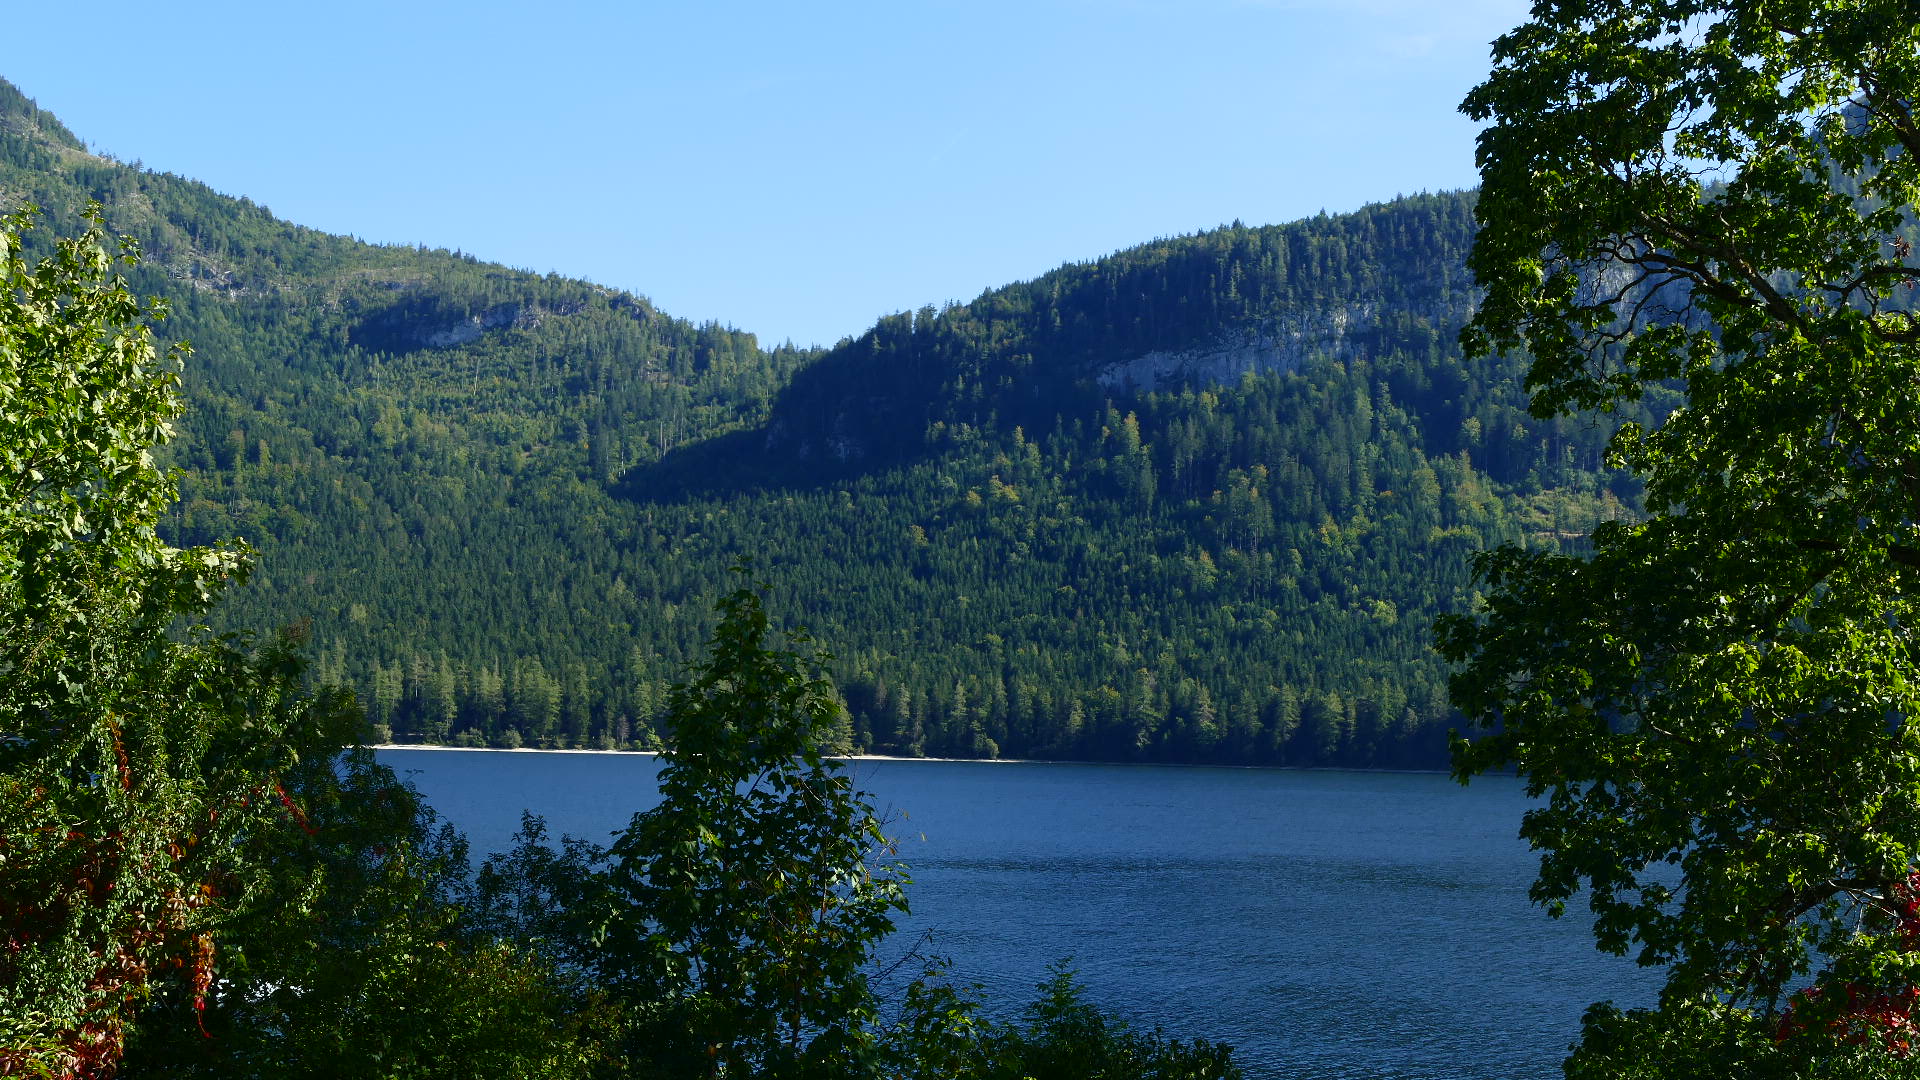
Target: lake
x,y
1327,924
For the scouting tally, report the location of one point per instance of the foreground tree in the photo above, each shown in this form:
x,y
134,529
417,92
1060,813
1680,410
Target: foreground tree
x,y
730,930
133,754
744,908
357,956
1719,701
195,880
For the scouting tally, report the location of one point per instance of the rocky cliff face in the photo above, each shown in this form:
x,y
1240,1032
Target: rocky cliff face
x,y
470,328
1278,345
1283,342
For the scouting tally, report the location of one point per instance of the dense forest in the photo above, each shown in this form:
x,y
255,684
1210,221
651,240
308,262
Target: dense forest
x,y
1197,501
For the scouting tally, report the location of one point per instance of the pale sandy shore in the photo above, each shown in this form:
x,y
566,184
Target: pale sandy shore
x,y
655,753
890,757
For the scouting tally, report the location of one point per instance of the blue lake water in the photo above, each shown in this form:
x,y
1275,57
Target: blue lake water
x,y
1327,924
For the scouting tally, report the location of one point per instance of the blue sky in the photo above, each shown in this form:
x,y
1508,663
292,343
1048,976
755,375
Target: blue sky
x,y
794,169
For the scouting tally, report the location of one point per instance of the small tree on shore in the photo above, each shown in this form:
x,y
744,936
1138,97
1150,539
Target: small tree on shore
x,y
747,904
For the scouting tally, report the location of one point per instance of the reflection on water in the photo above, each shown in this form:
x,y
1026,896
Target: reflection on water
x,y
1328,924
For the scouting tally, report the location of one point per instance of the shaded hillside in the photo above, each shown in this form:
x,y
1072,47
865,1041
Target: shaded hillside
x,y
1203,309
1196,501
1385,287
1199,500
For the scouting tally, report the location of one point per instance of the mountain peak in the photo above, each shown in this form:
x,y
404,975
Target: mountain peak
x,y
20,115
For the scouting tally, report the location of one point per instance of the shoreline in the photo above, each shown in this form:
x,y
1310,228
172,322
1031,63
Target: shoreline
x,y
897,758
656,753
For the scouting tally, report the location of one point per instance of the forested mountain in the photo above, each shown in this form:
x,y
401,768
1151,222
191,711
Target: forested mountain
x,y
1197,501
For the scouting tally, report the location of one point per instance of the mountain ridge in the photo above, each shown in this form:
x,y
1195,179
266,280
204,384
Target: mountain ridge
x,y
1250,275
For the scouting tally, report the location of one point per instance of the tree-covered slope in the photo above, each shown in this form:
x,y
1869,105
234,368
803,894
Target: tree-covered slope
x,y
1204,308
1199,500
1196,501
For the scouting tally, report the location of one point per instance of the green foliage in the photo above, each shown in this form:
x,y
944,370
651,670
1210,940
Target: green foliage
x,y
354,949
941,1033
190,882
134,753
361,957
1067,1039
747,903
1717,704
1709,1040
